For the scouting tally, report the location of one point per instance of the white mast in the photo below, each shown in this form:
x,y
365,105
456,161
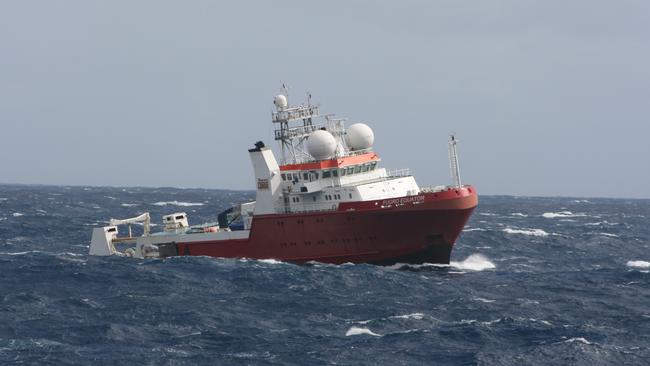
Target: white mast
x,y
453,161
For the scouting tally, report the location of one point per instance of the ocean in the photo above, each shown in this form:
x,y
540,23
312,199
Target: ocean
x,y
533,281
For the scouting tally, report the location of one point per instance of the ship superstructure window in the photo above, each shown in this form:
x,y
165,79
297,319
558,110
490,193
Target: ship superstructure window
x,y
284,176
327,174
335,173
305,176
350,170
357,169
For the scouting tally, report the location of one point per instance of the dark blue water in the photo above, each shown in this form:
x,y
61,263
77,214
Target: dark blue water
x,y
534,281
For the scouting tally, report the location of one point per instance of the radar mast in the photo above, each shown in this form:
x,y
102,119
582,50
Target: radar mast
x,y
295,124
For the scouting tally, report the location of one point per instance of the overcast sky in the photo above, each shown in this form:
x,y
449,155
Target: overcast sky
x,y
546,97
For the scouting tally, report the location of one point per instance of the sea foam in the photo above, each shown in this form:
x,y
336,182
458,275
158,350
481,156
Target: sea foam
x,y
638,264
531,232
475,262
359,331
561,214
177,203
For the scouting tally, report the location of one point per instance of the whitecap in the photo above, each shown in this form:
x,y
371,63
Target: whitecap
x,y
609,235
487,214
532,232
582,201
177,203
475,262
270,261
518,214
483,300
638,264
578,339
16,214
474,229
552,215
545,322
3,218
416,316
20,253
359,331
130,204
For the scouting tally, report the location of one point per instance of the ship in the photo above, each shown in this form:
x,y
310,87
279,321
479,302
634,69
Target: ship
x,y
328,200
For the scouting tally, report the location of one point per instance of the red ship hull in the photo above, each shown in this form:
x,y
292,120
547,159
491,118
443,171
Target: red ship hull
x,y
410,229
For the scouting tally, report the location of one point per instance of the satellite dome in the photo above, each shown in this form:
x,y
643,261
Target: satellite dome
x,y
280,101
321,145
359,136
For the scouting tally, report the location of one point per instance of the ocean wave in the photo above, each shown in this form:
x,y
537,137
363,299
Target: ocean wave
x,y
475,262
20,253
578,340
638,264
353,331
271,261
600,223
530,232
17,214
473,229
487,301
130,204
608,235
581,201
177,203
561,214
416,316
518,214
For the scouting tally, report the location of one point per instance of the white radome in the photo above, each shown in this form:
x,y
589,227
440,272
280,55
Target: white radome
x,y
359,136
321,145
280,101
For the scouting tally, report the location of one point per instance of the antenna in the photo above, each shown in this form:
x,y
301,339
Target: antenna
x,y
285,90
453,161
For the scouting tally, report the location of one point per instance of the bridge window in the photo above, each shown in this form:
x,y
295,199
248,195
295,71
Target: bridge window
x,y
343,172
357,169
335,173
327,173
364,168
351,170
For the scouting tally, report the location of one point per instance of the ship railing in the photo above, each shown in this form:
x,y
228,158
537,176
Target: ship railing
x,y
307,207
295,113
433,189
293,132
404,172
436,189
390,175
